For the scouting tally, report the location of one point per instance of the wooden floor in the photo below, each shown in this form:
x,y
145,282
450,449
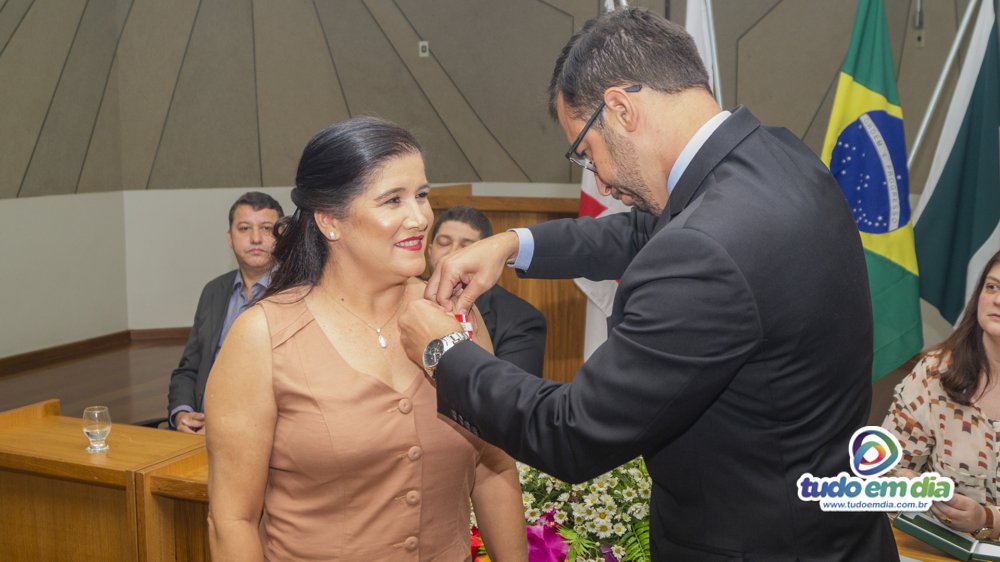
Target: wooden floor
x,y
131,381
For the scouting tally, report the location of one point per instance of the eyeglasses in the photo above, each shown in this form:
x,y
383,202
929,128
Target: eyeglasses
x,y
580,159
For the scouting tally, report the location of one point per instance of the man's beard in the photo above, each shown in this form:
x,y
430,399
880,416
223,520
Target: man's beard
x,y
629,181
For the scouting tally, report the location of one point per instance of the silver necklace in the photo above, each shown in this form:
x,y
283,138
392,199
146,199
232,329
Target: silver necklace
x,y
382,342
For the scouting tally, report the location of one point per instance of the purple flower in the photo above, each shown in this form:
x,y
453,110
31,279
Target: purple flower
x,y
545,544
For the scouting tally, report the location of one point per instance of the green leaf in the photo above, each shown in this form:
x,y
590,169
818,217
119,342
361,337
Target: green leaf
x,y
636,542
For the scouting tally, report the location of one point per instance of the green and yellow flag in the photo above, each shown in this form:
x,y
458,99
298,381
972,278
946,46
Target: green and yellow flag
x,y
866,150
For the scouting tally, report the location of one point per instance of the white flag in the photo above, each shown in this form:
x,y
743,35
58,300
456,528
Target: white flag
x,y
700,23
600,294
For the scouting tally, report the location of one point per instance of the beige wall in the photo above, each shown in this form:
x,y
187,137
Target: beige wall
x,y
211,98
175,242
62,277
81,266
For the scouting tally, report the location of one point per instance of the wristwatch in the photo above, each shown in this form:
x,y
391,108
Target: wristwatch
x,y
987,530
436,348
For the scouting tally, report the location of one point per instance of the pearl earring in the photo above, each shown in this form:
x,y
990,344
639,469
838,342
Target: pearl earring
x,y
333,235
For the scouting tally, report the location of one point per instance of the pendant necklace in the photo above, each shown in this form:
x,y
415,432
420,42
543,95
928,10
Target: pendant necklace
x,y
382,342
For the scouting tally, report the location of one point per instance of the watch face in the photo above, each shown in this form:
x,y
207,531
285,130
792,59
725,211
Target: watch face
x,y
432,353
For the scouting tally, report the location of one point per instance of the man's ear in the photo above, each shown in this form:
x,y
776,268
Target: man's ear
x,y
622,108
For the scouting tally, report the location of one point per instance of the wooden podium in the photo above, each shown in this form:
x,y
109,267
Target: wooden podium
x,y
58,502
172,505
146,499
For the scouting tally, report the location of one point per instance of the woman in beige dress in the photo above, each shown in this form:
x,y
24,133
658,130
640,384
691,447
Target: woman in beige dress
x,y
324,439
946,414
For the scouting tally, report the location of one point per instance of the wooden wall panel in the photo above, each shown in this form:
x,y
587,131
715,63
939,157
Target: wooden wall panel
x,y
560,301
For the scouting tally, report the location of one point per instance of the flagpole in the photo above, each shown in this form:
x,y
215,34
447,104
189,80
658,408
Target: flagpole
x,y
940,83
715,53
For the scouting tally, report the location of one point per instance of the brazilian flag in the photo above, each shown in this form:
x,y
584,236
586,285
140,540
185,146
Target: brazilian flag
x,y
866,150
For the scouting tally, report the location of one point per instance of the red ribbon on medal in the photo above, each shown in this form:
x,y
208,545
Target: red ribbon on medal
x,y
463,319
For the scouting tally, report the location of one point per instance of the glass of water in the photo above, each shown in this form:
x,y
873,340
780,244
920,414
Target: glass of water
x,y
97,426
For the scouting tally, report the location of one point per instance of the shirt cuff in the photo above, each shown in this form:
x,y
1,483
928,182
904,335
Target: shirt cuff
x,y
525,249
177,410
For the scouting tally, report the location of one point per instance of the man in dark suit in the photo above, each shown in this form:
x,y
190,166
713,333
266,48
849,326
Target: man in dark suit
x,y
516,328
739,348
251,221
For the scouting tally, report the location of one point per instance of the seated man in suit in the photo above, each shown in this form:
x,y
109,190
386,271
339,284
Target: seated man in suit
x,y
516,328
251,221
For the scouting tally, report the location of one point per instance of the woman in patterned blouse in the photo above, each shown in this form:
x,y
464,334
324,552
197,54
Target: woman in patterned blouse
x,y
946,413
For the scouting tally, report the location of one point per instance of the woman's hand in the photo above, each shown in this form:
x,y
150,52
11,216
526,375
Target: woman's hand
x,y
960,513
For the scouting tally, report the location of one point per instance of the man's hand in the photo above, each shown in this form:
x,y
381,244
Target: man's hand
x,y
960,513
463,275
190,422
420,322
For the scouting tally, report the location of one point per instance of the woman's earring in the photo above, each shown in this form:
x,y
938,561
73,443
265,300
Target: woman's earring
x,y
333,235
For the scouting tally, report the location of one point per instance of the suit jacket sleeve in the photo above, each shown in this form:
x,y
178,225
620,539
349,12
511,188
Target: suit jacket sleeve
x,y
183,380
521,340
598,249
689,323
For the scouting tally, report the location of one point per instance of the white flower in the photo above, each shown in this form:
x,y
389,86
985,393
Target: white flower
x,y
602,515
532,514
590,500
639,510
618,550
523,470
563,497
629,494
527,499
613,481
560,516
603,530
619,530
547,507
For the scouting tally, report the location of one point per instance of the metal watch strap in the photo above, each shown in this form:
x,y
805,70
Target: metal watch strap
x,y
451,339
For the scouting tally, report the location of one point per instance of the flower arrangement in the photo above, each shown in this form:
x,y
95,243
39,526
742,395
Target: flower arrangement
x,y
603,520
